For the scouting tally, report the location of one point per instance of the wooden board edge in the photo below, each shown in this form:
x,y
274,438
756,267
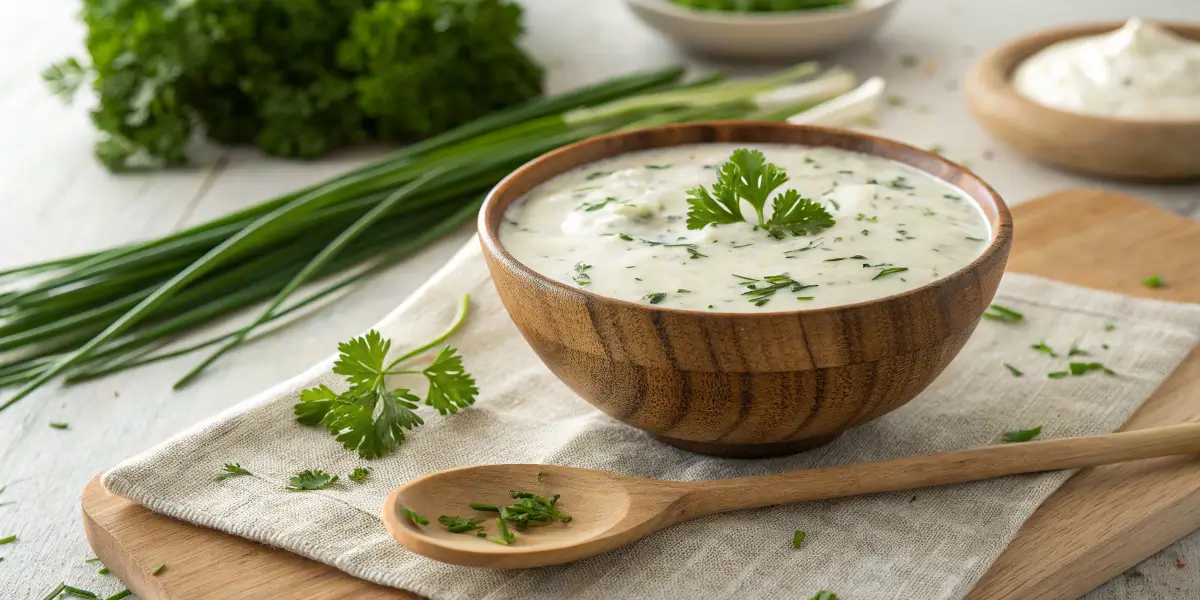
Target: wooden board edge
x,y
188,563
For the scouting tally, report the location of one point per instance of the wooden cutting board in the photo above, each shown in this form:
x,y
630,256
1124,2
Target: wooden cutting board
x,y
1100,523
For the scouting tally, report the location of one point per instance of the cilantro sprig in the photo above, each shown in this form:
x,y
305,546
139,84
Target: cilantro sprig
x,y
371,417
232,470
748,177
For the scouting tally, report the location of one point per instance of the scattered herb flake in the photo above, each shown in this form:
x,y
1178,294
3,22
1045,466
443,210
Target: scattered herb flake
x,y
655,298
694,254
1153,281
232,470
798,538
158,569
60,425
895,100
541,476
1022,435
102,571
311,479
658,167
1015,371
598,175
78,593
1058,374
1043,348
976,239
909,61
1079,368
359,474
1110,326
1077,351
581,277
824,595
996,312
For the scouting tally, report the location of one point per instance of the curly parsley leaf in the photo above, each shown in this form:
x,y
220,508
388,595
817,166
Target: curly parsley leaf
x,y
450,386
1022,435
312,479
232,470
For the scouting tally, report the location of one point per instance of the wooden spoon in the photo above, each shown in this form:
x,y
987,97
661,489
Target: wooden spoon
x,y
611,510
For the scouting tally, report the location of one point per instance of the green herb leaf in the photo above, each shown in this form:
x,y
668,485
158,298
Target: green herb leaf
x,y
121,595
414,517
1077,351
1153,281
996,312
450,386
8,540
541,476
1110,326
1022,435
760,291
1043,348
1015,371
823,595
791,214
59,425
655,298
359,475
232,470
1058,374
798,538
158,569
312,479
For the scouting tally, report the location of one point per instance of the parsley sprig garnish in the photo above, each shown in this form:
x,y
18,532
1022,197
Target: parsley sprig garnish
x,y
747,176
371,417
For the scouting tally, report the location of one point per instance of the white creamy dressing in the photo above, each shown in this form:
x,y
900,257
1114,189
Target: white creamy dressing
x,y
1141,71
616,227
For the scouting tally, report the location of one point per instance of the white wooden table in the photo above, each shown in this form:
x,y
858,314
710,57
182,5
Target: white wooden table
x,y
55,200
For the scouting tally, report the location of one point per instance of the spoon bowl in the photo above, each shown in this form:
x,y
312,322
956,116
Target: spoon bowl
x,y
601,506
610,510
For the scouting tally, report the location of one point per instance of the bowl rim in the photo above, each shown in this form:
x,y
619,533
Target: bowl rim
x,y
993,74
489,236
792,17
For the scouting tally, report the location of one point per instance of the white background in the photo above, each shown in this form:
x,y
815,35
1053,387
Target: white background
x,y
55,200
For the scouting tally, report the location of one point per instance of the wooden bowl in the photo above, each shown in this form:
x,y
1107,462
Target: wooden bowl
x,y
1111,147
744,384
764,36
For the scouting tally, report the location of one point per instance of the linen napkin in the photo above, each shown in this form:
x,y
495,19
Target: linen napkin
x,y
931,544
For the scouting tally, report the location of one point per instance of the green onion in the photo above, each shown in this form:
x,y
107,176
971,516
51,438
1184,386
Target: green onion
x,y
90,315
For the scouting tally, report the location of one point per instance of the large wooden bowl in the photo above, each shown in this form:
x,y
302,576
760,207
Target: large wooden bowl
x,y
1110,147
744,384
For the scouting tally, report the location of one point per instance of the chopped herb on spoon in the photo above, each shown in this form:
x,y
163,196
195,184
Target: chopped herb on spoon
x,y
1153,281
1022,435
458,525
506,537
414,517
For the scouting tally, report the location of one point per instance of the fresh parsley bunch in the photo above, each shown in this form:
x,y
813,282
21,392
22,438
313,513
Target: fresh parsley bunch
x,y
747,176
297,78
371,417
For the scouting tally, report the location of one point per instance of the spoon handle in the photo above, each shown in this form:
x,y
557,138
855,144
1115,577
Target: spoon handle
x,y
707,497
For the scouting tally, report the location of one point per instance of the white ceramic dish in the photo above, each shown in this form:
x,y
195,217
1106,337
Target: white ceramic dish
x,y
782,36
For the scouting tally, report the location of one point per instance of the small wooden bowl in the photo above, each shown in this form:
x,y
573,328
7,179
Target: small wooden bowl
x,y
1111,147
744,384
787,35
